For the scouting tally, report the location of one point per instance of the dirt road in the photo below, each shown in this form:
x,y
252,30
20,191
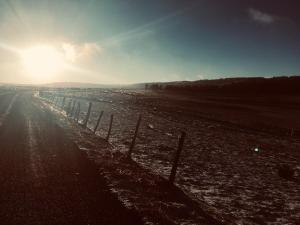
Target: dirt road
x,y
44,178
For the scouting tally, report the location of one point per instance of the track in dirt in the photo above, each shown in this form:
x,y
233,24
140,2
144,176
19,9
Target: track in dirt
x,y
44,178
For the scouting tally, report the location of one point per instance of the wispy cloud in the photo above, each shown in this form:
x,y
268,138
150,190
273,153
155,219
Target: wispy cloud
x,y
75,52
147,28
261,17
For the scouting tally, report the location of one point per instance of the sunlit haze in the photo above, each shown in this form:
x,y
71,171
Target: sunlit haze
x,y
42,62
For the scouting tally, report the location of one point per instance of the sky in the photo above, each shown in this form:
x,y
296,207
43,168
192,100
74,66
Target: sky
x,y
132,41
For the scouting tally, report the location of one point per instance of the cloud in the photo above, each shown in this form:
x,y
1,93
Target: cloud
x,y
147,28
261,17
79,52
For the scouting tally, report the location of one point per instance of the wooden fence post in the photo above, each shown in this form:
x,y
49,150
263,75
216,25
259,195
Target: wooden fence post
x,y
87,115
56,101
73,108
176,159
69,107
135,135
110,125
78,112
98,121
63,103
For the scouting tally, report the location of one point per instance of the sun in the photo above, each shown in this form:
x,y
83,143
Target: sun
x,y
42,61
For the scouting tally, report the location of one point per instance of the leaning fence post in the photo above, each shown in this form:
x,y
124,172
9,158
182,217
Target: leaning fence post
x,y
73,108
110,125
87,115
56,101
98,121
53,100
74,113
78,112
176,159
135,135
69,107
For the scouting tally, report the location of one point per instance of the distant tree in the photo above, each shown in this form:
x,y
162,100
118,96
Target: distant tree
x,y
275,85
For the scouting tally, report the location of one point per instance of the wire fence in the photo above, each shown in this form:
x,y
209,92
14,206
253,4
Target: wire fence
x,y
126,129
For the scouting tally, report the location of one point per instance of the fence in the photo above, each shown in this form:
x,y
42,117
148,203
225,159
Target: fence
x,y
90,115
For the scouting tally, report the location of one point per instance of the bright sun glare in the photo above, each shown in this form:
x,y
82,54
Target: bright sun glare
x,y
42,62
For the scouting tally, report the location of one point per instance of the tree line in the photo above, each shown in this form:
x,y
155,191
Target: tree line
x,y
275,85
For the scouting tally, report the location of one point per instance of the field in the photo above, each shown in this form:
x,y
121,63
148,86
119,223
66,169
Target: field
x,y
239,164
234,150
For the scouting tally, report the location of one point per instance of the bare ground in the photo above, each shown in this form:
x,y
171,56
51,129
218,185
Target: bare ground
x,y
232,153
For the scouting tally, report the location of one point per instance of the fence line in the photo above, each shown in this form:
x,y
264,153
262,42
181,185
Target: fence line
x,y
73,111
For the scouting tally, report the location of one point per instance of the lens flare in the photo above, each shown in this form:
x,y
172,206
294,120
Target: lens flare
x,y
42,62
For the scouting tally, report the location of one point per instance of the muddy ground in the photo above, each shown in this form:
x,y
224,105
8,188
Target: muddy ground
x,y
233,151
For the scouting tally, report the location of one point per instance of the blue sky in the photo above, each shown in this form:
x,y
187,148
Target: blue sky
x,y
137,40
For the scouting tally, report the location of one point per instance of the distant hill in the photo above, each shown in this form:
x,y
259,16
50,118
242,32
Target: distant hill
x,y
78,85
248,85
240,85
